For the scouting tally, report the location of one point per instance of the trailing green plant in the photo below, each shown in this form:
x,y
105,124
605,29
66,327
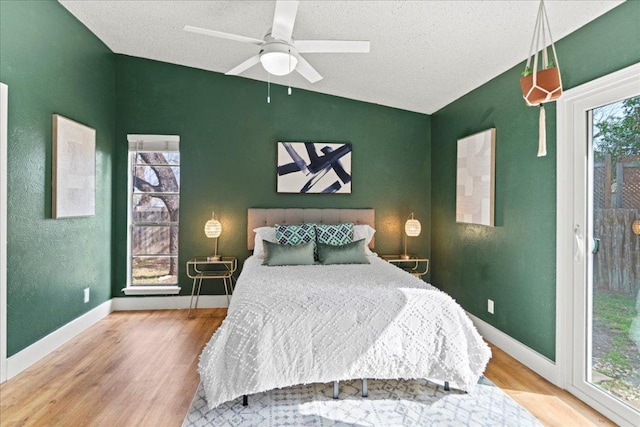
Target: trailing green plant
x,y
528,70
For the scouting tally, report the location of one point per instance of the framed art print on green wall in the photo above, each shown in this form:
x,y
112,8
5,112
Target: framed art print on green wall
x,y
475,178
314,167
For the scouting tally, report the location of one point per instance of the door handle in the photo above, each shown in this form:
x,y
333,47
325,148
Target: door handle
x,y
596,245
577,256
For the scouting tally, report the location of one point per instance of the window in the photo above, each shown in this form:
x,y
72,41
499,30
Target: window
x,y
154,206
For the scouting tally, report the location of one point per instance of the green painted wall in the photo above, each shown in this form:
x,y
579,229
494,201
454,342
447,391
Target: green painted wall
x,y
53,64
514,263
228,154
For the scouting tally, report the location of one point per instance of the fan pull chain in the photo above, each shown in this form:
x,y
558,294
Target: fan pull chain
x,y
268,88
290,70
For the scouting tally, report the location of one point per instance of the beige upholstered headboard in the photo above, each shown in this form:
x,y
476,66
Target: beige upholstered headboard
x,y
268,217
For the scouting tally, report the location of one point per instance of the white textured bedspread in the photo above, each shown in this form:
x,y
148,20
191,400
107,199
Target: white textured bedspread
x,y
321,323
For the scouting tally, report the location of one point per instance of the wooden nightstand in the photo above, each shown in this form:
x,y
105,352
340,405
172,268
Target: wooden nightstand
x,y
416,265
203,268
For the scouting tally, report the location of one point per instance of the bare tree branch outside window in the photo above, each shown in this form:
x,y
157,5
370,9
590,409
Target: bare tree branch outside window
x,y
156,206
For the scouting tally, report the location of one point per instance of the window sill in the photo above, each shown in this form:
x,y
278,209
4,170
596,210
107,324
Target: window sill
x,y
151,290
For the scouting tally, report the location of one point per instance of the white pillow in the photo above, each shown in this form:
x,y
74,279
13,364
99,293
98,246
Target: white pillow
x,y
363,231
263,233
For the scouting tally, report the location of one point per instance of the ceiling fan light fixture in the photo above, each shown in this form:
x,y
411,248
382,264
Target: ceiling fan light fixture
x,y
279,51
277,59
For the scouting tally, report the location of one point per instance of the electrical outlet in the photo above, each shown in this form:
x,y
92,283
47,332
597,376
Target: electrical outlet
x,y
86,295
490,306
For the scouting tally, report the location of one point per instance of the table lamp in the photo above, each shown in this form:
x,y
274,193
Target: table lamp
x,y
212,229
412,228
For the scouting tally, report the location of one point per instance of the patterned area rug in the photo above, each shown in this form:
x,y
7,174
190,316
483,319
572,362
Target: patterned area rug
x,y
390,403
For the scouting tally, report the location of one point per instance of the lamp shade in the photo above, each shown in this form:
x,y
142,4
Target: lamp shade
x,y
213,228
412,227
636,226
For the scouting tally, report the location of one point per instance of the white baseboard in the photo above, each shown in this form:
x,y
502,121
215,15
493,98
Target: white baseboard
x,y
166,303
36,351
532,359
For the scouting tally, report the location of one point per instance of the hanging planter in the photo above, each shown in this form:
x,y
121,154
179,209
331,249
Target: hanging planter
x,y
541,81
547,86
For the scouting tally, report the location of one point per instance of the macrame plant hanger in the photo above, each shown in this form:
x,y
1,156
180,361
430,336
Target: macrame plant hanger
x,y
544,84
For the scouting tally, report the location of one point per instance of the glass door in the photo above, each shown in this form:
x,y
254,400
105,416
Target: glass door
x,y
612,286
598,251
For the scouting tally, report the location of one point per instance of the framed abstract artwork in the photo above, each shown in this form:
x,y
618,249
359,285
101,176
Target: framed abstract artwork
x,y
314,167
73,169
475,178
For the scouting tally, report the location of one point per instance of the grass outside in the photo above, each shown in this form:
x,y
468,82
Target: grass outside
x,y
615,354
152,271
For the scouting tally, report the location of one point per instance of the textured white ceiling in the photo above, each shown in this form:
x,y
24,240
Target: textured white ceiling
x,y
424,54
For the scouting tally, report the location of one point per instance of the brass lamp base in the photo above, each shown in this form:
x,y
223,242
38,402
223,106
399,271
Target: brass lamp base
x,y
214,258
405,256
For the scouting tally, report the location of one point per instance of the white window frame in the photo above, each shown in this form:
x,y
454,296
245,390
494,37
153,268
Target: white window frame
x,y
164,143
574,231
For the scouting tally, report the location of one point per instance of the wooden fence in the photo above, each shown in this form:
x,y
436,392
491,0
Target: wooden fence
x,y
617,186
151,240
617,265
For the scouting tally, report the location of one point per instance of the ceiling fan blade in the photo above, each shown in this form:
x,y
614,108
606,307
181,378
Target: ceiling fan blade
x,y
222,35
307,71
244,66
332,46
283,19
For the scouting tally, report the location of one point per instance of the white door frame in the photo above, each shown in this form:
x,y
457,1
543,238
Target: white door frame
x,y
4,92
573,229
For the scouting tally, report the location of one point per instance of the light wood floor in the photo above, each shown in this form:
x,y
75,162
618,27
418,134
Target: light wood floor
x,y
139,369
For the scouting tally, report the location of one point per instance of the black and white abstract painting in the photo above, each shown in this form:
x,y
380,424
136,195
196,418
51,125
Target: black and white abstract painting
x,y
314,167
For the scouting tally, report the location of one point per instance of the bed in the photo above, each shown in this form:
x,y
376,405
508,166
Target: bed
x,y
289,325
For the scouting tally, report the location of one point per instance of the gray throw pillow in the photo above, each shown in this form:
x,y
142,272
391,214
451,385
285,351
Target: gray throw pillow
x,y
351,253
275,254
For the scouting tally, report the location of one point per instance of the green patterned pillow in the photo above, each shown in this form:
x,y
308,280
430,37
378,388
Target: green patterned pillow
x,y
296,234
335,235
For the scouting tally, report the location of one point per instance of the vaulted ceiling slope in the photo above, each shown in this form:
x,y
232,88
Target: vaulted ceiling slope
x,y
424,54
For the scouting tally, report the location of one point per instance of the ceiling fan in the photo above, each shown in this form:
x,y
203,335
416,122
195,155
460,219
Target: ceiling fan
x,y
279,53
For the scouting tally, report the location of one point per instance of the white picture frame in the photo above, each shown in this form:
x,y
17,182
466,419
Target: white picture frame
x,y
73,169
475,179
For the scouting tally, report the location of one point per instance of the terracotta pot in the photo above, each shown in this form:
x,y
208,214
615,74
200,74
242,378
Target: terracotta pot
x,y
548,86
